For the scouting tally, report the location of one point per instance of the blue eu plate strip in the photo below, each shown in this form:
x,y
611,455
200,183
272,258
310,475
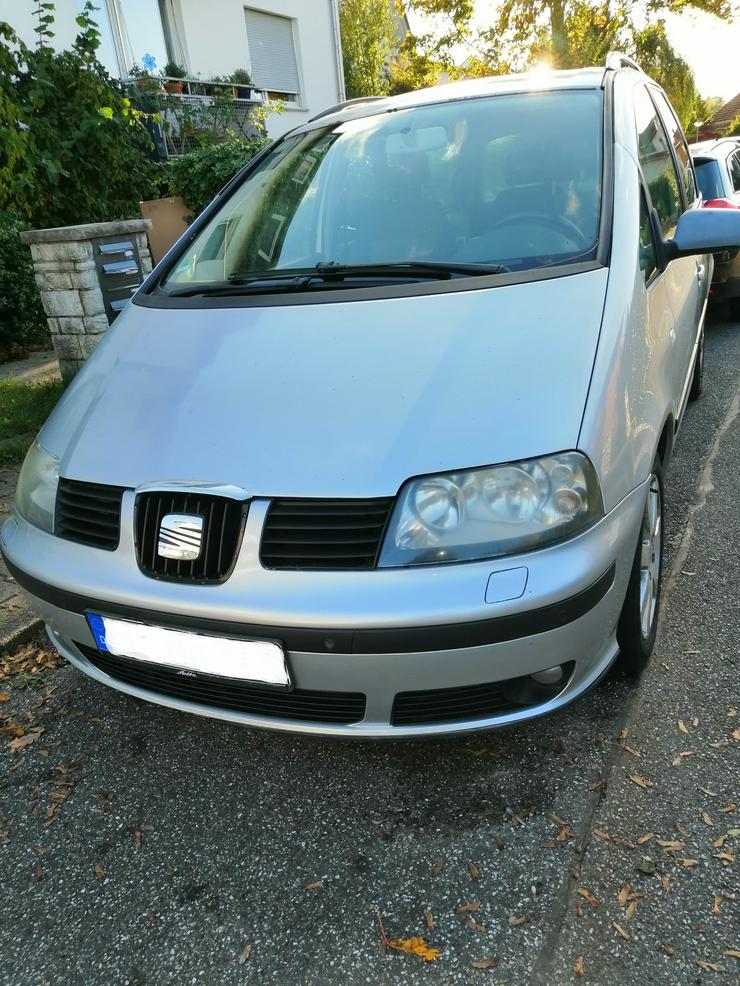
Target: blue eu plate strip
x,y
97,625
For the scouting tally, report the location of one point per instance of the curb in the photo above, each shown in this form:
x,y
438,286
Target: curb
x,y
19,630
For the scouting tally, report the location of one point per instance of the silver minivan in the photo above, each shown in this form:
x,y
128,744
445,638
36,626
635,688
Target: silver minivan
x,y
378,448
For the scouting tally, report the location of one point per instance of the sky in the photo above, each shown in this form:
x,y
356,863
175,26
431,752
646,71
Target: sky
x,y
711,47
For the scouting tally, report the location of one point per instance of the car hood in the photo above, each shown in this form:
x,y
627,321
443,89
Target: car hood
x,y
339,399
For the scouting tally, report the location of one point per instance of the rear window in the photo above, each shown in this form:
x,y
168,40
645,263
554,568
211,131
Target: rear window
x,y
507,179
709,178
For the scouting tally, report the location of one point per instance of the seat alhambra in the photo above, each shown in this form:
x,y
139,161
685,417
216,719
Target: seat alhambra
x,y
378,448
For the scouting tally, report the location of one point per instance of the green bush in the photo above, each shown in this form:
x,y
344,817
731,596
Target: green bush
x,y
197,177
22,321
72,147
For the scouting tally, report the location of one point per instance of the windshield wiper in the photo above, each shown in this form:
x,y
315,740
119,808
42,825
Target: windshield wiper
x,y
328,273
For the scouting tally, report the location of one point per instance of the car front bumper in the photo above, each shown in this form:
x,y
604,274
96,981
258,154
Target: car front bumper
x,y
380,634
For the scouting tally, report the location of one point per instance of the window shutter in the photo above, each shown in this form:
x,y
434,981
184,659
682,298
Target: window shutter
x,y
272,52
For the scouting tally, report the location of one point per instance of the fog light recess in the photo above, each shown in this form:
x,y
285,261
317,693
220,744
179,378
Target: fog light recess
x,y
539,687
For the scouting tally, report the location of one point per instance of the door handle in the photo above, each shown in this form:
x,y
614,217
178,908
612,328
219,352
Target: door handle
x,y
700,272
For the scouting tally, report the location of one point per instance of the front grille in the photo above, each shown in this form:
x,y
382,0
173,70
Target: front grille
x,y
439,705
89,513
223,523
236,696
324,534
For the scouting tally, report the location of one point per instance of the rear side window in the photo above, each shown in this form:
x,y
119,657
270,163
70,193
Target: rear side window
x,y
735,170
710,179
657,162
679,144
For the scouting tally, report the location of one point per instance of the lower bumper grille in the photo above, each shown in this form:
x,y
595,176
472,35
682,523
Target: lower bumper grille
x,y
440,705
301,704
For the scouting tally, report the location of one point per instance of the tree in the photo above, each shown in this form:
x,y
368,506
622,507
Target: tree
x,y
368,41
657,58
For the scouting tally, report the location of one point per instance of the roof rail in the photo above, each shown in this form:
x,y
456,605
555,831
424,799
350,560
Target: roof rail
x,y
616,60
347,102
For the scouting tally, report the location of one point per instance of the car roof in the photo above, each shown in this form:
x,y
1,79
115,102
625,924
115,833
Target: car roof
x,y
717,149
536,81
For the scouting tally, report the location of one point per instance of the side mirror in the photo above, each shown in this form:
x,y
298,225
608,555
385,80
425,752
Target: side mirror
x,y
703,231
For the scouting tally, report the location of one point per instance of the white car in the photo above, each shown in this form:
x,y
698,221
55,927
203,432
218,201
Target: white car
x,y
378,448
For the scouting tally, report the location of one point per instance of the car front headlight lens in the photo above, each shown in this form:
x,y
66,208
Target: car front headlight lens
x,y
37,487
486,513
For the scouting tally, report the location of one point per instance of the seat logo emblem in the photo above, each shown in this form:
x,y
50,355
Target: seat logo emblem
x,y
180,537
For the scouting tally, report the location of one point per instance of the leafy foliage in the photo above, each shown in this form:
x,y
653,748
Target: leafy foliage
x,y
72,148
368,41
733,130
656,56
22,321
198,176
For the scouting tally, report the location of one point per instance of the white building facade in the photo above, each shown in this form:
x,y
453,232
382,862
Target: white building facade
x,y
291,48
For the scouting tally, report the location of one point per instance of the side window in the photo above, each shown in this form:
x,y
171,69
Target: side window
x,y
679,144
657,162
735,170
648,257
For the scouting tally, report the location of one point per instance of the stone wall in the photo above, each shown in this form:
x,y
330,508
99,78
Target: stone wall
x,y
67,279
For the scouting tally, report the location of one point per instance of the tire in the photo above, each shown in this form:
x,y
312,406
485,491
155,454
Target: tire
x,y
638,622
697,381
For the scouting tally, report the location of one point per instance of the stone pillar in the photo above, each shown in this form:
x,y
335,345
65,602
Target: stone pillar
x,y
68,280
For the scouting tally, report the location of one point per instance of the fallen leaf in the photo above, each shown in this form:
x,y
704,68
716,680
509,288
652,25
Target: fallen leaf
x,y
718,842
630,912
579,911
415,946
595,785
715,904
37,872
734,833
732,953
474,874
632,750
4,697
515,920
668,949
646,865
727,856
314,885
664,881
622,735
682,726
485,964
670,844
99,871
438,866
587,895
473,924
22,741
579,966
550,844
137,838
736,734
641,781
730,806
246,949
687,862
705,790
601,834
429,920
620,931
711,966
644,838
707,818
465,908
679,758
624,894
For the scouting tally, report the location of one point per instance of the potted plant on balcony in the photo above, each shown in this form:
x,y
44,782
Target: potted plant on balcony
x,y
145,81
243,85
173,75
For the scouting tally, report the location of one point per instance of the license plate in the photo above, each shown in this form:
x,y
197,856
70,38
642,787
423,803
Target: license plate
x,y
260,661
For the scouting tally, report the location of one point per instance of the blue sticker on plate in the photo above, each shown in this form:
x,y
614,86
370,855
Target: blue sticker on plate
x,y
97,625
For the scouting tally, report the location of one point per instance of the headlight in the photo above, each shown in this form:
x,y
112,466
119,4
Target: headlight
x,y
37,487
485,513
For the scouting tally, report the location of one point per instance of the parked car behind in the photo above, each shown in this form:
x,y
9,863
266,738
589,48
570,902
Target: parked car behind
x,y
717,164
378,449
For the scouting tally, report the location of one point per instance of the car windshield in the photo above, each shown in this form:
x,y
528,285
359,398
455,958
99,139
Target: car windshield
x,y
511,180
709,179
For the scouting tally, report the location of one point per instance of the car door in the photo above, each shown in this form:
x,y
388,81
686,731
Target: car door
x,y
733,169
686,278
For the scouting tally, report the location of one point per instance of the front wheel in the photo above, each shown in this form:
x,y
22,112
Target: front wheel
x,y
638,623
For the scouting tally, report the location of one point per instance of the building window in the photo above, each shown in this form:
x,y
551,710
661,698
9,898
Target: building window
x,y
135,31
272,53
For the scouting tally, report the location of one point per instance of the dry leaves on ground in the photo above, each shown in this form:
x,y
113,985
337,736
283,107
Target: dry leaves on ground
x,y
579,966
412,946
438,866
641,781
587,895
474,873
485,964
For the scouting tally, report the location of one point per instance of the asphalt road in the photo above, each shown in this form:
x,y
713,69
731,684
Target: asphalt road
x,y
143,846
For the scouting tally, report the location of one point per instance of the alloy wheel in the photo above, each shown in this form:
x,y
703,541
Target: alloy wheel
x,y
650,556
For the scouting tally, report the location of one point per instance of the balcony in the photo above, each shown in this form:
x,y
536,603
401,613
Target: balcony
x,y
185,113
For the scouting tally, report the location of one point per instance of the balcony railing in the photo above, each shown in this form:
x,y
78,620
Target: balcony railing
x,y
184,110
